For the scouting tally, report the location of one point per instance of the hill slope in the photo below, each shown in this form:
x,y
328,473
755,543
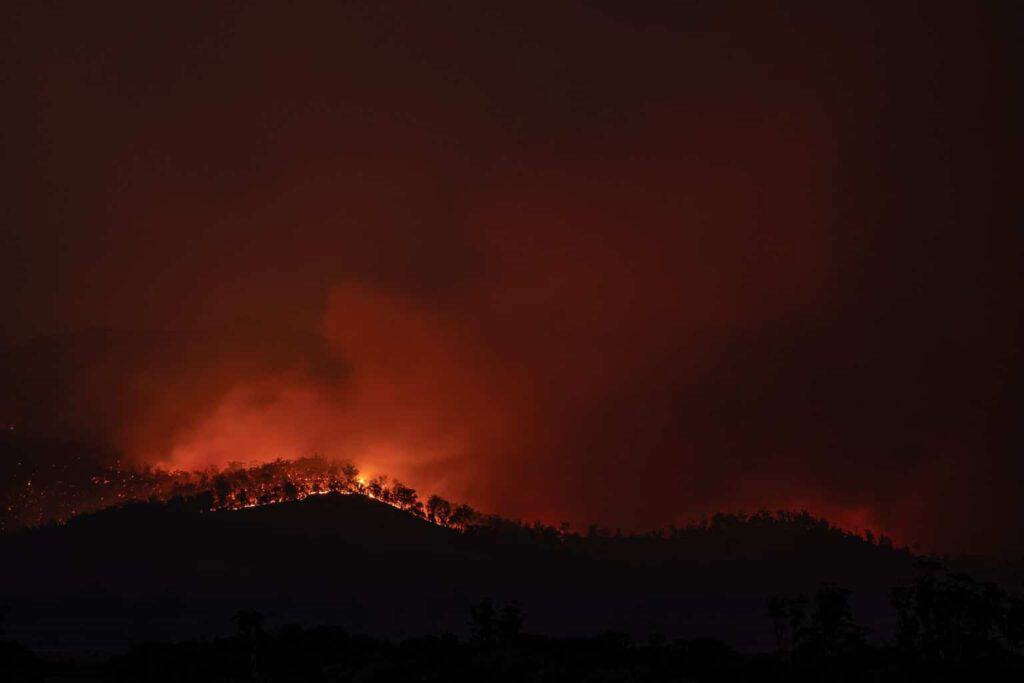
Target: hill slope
x,y
152,571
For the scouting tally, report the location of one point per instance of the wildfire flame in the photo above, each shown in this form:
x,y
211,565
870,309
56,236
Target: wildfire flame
x,y
235,487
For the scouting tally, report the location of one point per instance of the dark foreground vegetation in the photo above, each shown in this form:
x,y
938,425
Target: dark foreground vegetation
x,y
300,570
951,628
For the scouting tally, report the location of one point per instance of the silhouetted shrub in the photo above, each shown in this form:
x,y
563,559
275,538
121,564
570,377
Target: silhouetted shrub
x,y
951,617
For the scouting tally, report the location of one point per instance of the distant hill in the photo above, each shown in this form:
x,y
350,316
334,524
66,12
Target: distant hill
x,y
169,571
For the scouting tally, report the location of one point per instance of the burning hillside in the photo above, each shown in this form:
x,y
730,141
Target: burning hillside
x,y
44,485
42,490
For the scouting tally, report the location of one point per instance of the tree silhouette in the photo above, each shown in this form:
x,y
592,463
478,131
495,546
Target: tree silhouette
x,y
378,488
490,626
405,498
510,622
222,487
439,510
822,628
350,474
944,616
832,629
778,612
483,621
250,624
463,516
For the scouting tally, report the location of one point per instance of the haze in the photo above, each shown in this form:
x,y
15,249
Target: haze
x,y
497,252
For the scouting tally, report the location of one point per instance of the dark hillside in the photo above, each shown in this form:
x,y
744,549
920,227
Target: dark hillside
x,y
169,571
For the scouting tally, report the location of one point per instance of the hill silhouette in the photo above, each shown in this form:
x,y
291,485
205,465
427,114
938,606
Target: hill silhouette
x,y
153,571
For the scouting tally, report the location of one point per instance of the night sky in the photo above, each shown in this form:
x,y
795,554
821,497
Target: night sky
x,y
563,260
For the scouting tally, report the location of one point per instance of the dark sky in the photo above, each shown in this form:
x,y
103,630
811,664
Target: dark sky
x,y
568,260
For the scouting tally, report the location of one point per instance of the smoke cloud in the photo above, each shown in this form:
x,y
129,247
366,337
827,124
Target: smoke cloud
x,y
624,266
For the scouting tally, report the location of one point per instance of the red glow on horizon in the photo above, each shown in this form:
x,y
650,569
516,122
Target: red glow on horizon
x,y
240,487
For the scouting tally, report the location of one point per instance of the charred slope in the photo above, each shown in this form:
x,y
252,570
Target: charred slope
x,y
152,571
